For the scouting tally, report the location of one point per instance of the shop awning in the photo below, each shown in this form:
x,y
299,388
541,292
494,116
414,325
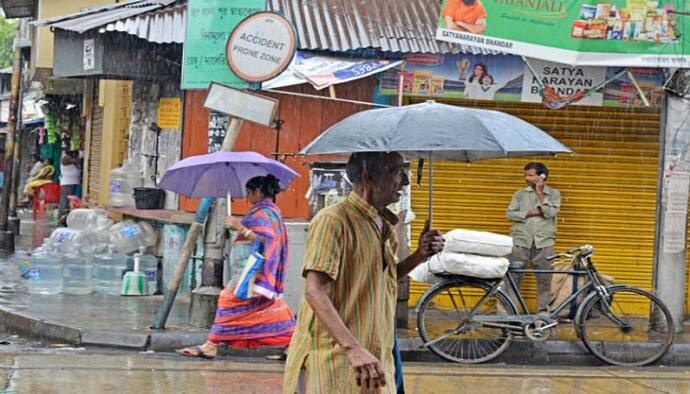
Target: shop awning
x,y
157,21
18,8
150,50
163,26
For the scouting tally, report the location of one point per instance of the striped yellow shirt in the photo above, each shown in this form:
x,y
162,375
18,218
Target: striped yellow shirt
x,y
344,241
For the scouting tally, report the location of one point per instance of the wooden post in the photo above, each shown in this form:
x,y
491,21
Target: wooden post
x,y
7,237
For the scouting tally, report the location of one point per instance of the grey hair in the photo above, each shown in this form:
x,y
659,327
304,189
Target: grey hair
x,y
371,163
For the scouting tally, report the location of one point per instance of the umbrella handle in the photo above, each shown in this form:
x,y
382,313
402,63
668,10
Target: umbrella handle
x,y
431,190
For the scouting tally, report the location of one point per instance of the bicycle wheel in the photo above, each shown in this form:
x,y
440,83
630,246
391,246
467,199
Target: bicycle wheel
x,y
627,327
444,319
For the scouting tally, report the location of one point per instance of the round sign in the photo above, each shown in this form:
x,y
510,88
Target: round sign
x,y
261,47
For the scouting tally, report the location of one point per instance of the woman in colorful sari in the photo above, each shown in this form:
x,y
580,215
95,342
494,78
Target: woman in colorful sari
x,y
265,319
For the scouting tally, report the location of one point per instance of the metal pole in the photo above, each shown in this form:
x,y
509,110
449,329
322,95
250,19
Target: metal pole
x,y
7,237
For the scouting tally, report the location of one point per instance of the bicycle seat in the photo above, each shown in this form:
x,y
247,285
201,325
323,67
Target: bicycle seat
x,y
516,265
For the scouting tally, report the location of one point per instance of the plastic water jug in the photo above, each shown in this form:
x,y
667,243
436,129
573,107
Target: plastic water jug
x,y
77,272
148,235
63,235
45,272
108,269
148,264
123,180
128,236
88,219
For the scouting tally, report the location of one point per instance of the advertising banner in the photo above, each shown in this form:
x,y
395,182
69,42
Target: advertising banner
x,y
566,80
324,71
209,24
633,33
507,78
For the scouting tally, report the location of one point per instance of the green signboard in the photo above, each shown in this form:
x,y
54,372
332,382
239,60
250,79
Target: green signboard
x,y
209,24
578,32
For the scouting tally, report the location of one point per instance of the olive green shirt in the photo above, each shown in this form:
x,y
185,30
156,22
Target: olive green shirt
x,y
537,231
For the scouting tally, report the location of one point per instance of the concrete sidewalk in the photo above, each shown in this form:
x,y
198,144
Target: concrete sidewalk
x,y
123,322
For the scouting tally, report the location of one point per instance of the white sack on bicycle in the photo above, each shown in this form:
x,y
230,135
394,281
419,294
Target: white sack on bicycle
x,y
478,242
450,263
422,274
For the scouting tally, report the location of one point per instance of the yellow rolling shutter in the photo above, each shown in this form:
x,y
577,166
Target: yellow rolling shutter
x,y
608,187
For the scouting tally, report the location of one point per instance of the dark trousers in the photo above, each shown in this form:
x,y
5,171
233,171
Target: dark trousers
x,y
65,190
399,383
538,259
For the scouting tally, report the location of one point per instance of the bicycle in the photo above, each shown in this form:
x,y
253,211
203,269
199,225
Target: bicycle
x,y
470,320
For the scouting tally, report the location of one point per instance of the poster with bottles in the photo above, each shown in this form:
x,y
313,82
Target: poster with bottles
x,y
633,33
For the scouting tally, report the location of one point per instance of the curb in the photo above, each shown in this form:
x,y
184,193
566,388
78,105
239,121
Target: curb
x,y
543,353
112,339
519,352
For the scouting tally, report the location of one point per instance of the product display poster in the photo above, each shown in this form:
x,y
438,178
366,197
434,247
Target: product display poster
x,y
507,78
209,24
636,33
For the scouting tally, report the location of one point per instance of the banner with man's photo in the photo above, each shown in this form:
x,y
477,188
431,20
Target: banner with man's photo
x,y
509,78
633,33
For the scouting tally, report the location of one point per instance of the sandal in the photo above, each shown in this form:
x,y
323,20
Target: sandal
x,y
195,351
282,356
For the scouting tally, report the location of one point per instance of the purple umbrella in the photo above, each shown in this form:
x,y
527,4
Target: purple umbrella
x,y
221,173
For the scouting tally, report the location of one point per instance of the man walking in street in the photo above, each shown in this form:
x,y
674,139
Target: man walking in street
x,y
533,212
343,342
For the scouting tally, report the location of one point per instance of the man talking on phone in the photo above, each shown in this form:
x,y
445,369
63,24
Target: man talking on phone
x,y
533,212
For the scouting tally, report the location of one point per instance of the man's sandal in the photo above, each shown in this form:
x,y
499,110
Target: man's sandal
x,y
282,356
195,351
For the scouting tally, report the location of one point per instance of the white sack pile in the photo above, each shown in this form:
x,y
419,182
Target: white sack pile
x,y
477,254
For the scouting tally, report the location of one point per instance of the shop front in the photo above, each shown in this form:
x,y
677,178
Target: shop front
x,y
608,187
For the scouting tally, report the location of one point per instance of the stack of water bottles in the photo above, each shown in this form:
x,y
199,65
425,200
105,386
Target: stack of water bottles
x,y
91,255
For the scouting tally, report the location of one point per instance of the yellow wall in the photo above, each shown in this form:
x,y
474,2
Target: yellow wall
x,y
117,97
51,9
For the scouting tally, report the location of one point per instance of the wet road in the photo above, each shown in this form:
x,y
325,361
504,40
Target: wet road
x,y
82,371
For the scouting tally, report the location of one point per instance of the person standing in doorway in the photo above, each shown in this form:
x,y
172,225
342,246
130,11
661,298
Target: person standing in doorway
x,y
533,211
69,180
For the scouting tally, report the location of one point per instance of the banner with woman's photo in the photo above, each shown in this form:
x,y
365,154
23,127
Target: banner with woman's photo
x,y
508,78
633,33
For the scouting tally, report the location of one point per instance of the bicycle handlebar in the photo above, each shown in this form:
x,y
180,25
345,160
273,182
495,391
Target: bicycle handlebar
x,y
589,249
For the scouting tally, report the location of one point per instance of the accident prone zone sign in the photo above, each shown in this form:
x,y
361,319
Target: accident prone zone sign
x,y
261,47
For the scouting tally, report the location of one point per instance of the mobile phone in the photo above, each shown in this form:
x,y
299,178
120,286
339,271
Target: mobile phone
x,y
542,176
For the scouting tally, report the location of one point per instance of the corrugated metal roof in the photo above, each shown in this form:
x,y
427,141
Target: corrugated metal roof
x,y
406,26
163,26
97,17
402,26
